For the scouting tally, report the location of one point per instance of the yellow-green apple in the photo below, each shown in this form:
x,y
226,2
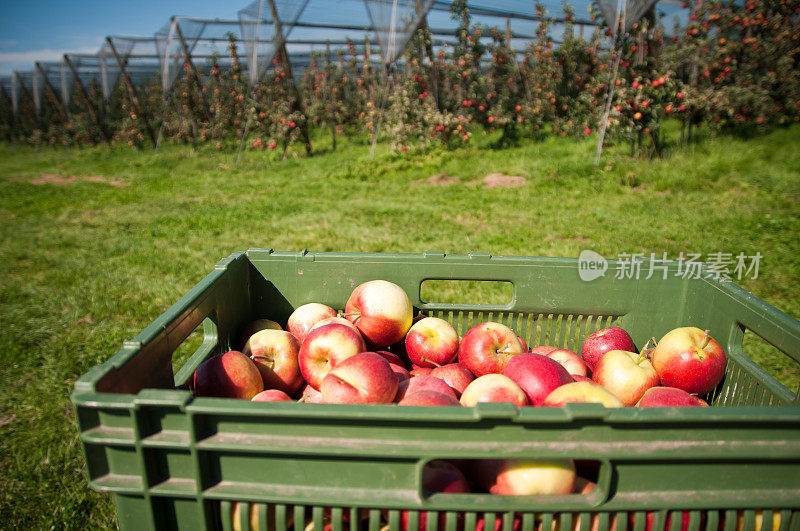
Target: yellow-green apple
x,y
758,520
690,359
438,476
275,354
488,347
524,477
395,363
536,375
493,388
424,382
426,397
381,311
600,342
626,374
310,395
365,378
272,395
256,326
669,397
331,320
306,316
326,346
570,361
228,375
431,342
456,375
581,392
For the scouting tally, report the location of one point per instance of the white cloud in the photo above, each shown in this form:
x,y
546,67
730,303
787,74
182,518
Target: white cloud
x,y
10,61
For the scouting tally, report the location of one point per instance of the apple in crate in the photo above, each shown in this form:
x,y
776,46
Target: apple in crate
x,y
544,350
332,320
324,348
381,311
493,388
577,392
431,342
423,382
272,395
488,347
310,395
228,375
364,378
626,374
395,363
306,316
602,341
257,326
669,397
537,375
524,477
426,397
570,361
275,354
438,476
690,359
456,375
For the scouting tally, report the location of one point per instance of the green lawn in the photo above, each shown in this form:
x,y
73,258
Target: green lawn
x,y
91,262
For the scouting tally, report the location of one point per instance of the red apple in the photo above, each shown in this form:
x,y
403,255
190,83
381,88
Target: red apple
x,y
600,342
395,363
431,342
690,359
310,395
524,344
272,395
228,375
581,392
337,320
669,397
416,384
257,326
493,388
626,374
381,311
456,375
437,476
420,371
537,375
364,378
426,397
306,316
524,477
579,378
570,361
326,346
488,347
275,354
544,350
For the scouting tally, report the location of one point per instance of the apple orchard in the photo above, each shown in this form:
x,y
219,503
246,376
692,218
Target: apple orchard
x,y
733,68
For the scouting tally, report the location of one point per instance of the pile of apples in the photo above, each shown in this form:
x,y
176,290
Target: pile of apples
x,y
377,352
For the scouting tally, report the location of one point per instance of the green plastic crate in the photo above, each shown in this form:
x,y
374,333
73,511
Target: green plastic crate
x,y
172,461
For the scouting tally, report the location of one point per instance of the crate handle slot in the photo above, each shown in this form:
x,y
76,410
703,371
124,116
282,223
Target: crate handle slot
x,y
460,292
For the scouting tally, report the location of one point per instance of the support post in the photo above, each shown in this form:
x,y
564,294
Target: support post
x,y
287,67
52,93
12,123
329,85
92,111
132,94
423,25
193,72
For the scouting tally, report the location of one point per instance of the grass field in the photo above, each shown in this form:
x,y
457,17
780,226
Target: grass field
x,y
90,261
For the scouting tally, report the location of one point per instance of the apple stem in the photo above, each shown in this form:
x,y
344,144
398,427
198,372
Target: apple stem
x,y
706,339
349,314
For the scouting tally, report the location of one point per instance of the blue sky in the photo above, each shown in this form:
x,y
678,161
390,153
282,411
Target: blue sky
x,y
40,30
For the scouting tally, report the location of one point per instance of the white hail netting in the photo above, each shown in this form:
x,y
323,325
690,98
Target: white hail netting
x,y
170,42
394,21
139,57
633,11
258,30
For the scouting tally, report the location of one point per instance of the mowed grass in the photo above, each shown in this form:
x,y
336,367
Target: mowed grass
x,y
89,263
